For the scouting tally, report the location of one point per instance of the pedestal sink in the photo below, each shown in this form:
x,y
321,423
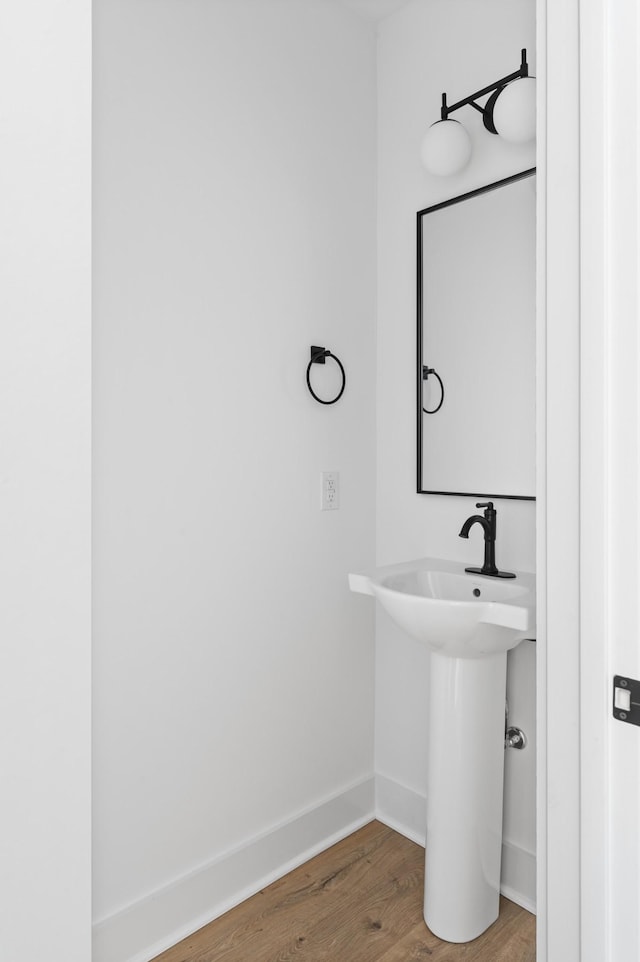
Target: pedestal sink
x,y
468,622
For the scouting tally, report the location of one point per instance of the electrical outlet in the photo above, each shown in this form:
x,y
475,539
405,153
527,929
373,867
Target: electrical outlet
x,y
330,491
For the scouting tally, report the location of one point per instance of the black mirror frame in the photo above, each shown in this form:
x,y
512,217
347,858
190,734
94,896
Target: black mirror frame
x,y
420,373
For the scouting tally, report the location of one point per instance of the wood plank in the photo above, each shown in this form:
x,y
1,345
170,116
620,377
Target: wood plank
x,y
511,939
280,912
375,915
360,901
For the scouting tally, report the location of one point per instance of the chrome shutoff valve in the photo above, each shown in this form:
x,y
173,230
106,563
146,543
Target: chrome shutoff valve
x,y
514,738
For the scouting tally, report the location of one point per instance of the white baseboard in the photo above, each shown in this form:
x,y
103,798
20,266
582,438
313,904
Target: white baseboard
x,y
401,808
152,924
405,810
518,876
142,930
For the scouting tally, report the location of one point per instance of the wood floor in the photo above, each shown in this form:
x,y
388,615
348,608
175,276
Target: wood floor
x,y
360,901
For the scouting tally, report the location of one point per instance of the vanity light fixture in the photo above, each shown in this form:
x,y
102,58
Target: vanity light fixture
x,y
510,112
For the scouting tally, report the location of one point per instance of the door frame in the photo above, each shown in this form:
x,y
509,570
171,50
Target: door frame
x,y
588,478
558,484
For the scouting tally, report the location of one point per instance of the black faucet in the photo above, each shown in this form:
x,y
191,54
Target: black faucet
x,y
488,523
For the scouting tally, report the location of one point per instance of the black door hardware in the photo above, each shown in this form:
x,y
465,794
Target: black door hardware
x,y
626,699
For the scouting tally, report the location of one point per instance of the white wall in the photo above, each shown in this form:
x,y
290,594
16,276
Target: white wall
x,y
427,47
234,227
45,366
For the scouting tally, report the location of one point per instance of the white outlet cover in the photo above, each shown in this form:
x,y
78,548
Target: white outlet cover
x,y
330,491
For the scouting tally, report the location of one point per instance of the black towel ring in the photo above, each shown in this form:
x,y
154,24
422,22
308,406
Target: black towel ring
x,y
318,355
426,371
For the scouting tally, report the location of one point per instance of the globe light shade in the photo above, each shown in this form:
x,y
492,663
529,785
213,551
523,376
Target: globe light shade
x,y
514,112
446,148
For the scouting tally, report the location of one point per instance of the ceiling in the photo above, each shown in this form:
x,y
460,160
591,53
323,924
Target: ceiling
x,y
374,9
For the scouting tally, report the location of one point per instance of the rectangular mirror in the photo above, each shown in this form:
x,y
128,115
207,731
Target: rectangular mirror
x,y
476,342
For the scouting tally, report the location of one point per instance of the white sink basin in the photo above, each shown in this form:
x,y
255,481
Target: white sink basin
x,y
468,622
455,613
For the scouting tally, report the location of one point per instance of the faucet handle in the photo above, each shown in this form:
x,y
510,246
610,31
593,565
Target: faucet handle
x,y
485,504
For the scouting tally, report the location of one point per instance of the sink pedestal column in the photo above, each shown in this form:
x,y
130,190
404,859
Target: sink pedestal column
x,y
464,795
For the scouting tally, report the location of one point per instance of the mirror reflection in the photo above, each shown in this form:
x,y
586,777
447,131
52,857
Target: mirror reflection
x,y
476,342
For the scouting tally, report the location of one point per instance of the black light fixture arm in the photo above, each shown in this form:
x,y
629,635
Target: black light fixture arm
x,y
494,89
